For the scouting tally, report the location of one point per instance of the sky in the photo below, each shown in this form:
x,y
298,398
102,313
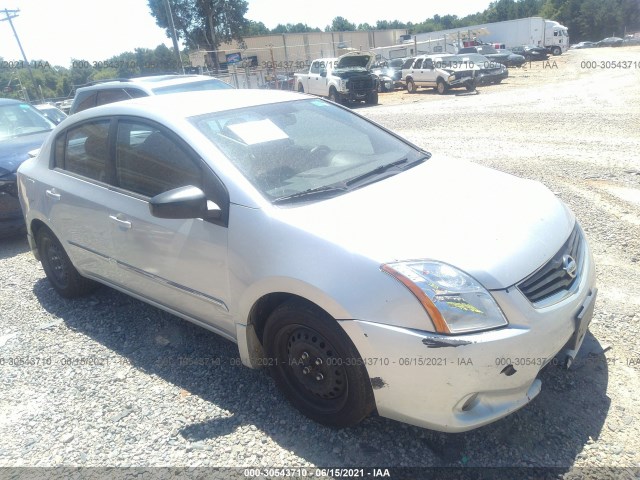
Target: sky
x,y
57,31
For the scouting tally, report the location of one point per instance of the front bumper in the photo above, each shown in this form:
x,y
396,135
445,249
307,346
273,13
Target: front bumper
x,y
488,78
11,219
457,383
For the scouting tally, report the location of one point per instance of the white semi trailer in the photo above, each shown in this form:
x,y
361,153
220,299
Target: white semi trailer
x,y
511,33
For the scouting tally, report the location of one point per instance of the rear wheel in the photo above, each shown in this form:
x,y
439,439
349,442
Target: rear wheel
x,y
411,86
300,88
63,276
316,365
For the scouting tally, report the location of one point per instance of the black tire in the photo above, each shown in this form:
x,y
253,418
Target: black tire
x,y
411,86
470,87
63,276
300,88
556,51
372,98
441,87
333,95
316,366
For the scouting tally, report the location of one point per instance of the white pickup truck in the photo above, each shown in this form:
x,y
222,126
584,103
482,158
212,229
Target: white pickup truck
x,y
342,80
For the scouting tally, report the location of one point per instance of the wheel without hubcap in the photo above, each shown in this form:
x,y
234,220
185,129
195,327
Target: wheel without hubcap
x,y
63,276
316,366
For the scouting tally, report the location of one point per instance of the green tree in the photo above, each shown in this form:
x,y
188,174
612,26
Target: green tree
x,y
340,24
203,23
253,29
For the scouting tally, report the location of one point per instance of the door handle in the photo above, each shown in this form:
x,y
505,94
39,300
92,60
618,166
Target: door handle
x,y
120,221
52,194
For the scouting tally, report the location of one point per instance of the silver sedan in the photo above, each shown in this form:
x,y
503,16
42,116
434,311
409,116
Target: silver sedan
x,y
365,274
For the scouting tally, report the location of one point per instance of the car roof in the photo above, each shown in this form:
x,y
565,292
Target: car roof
x,y
10,101
149,81
190,104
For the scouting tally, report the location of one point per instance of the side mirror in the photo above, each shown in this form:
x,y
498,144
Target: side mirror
x,y
183,202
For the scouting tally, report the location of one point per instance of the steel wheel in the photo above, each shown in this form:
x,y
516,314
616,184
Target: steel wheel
x,y
63,276
411,86
311,365
441,87
316,365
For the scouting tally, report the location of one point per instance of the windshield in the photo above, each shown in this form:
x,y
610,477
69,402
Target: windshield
x,y
291,148
468,60
212,84
478,60
21,119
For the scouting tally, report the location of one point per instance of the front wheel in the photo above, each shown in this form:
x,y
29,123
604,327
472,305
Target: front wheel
x,y
556,51
56,264
441,87
372,98
333,95
411,86
471,87
316,366
300,88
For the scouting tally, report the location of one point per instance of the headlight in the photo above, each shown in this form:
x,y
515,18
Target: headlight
x,y
455,301
452,78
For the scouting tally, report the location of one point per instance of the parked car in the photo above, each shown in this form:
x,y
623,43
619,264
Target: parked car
x,y
610,42
52,112
581,45
318,242
487,51
104,92
389,74
436,72
22,130
285,82
490,71
513,59
631,40
531,52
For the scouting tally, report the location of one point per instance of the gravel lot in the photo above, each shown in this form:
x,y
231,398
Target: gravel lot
x,y
119,383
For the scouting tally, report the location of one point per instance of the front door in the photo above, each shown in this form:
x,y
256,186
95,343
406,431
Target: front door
x,y
180,264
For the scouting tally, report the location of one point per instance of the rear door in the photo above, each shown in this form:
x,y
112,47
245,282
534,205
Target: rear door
x,y
77,188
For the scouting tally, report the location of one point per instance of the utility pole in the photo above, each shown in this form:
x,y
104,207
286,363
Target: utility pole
x,y
174,37
13,14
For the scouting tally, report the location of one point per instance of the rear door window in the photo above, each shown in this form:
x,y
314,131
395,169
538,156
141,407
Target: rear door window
x,y
84,150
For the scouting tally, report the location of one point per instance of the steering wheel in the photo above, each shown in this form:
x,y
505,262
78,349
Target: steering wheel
x,y
318,153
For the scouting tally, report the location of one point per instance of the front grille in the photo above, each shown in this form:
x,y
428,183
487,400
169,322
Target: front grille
x,y
553,279
359,85
464,74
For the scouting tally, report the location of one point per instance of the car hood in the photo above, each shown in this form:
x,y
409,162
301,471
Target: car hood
x,y
496,227
355,60
14,151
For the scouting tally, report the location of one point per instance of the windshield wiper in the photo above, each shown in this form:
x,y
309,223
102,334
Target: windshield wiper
x,y
325,191
383,168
